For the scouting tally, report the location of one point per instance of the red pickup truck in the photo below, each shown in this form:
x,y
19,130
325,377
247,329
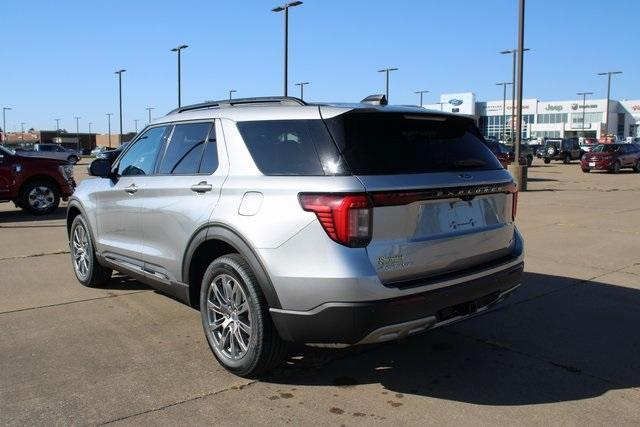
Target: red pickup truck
x,y
35,184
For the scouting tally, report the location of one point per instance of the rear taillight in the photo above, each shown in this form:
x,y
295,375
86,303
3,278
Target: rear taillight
x,y
345,217
513,189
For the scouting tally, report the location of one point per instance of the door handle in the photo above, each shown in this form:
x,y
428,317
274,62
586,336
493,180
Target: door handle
x,y
131,189
202,187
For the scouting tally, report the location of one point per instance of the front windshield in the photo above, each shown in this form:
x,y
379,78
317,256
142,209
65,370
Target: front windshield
x,y
605,149
6,150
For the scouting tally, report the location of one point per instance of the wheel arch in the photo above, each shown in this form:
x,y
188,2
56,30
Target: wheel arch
x,y
38,177
211,242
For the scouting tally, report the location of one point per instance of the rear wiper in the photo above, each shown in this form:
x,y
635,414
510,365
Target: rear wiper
x,y
469,163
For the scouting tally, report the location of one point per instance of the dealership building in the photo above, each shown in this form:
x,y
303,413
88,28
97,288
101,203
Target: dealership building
x,y
547,118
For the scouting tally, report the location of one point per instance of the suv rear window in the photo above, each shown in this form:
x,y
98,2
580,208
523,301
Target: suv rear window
x,y
385,143
291,147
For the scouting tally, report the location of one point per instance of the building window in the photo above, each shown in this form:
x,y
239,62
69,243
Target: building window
x,y
621,117
588,117
546,134
553,118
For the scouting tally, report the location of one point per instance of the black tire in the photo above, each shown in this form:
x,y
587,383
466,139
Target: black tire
x,y
637,167
616,167
73,159
567,159
586,170
40,197
547,160
96,276
265,349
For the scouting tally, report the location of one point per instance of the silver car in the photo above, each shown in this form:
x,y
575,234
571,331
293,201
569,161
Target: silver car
x,y
53,151
283,221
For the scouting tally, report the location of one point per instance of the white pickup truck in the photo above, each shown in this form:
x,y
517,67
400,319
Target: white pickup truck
x,y
53,151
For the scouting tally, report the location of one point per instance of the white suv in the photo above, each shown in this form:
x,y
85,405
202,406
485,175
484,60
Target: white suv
x,y
284,221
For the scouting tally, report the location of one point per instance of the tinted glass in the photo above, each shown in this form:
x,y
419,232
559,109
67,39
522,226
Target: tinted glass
x,y
45,148
381,143
209,162
140,159
184,151
291,147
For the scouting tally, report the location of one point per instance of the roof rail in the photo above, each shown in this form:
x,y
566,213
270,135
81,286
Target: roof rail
x,y
284,100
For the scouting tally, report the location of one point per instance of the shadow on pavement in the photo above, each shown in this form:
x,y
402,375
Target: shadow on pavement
x,y
578,341
19,216
541,179
121,282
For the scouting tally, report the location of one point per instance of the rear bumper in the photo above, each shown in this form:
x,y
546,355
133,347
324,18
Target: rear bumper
x,y
383,320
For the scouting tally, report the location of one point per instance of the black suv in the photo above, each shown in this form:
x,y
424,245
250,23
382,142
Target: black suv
x,y
561,149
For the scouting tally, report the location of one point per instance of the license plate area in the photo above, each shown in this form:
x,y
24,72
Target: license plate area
x,y
463,216
450,217
592,164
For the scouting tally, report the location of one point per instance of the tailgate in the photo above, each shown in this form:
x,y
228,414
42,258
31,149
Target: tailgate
x,y
422,233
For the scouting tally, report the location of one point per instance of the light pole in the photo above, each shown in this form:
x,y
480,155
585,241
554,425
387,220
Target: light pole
x,y
302,85
135,121
285,7
504,112
58,128
513,81
608,74
584,102
178,49
109,127
90,142
119,73
149,111
4,122
22,131
231,92
420,93
387,71
519,173
77,133
441,105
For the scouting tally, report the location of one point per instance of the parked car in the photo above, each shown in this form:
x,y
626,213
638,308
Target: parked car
x,y
586,144
612,158
98,150
112,153
35,184
566,149
53,151
284,221
506,155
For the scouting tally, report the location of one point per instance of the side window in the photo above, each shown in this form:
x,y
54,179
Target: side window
x,y
284,147
140,159
209,162
184,151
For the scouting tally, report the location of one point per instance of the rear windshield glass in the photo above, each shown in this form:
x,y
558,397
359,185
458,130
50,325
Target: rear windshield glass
x,y
291,147
384,143
606,148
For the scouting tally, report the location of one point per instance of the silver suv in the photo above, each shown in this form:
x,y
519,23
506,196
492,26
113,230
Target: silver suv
x,y
283,221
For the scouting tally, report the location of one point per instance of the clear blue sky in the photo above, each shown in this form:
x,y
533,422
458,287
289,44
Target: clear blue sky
x,y
59,56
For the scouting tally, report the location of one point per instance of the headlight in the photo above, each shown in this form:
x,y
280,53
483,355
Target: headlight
x,y
67,172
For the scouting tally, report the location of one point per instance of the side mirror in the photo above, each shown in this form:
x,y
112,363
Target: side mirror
x,y
100,168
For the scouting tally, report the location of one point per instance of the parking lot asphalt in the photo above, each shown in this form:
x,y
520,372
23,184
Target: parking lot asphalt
x,y
562,351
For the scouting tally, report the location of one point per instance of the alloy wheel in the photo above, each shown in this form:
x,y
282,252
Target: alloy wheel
x,y
81,251
229,317
41,198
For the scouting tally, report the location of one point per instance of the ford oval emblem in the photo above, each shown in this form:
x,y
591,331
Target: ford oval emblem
x,y
465,176
455,102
